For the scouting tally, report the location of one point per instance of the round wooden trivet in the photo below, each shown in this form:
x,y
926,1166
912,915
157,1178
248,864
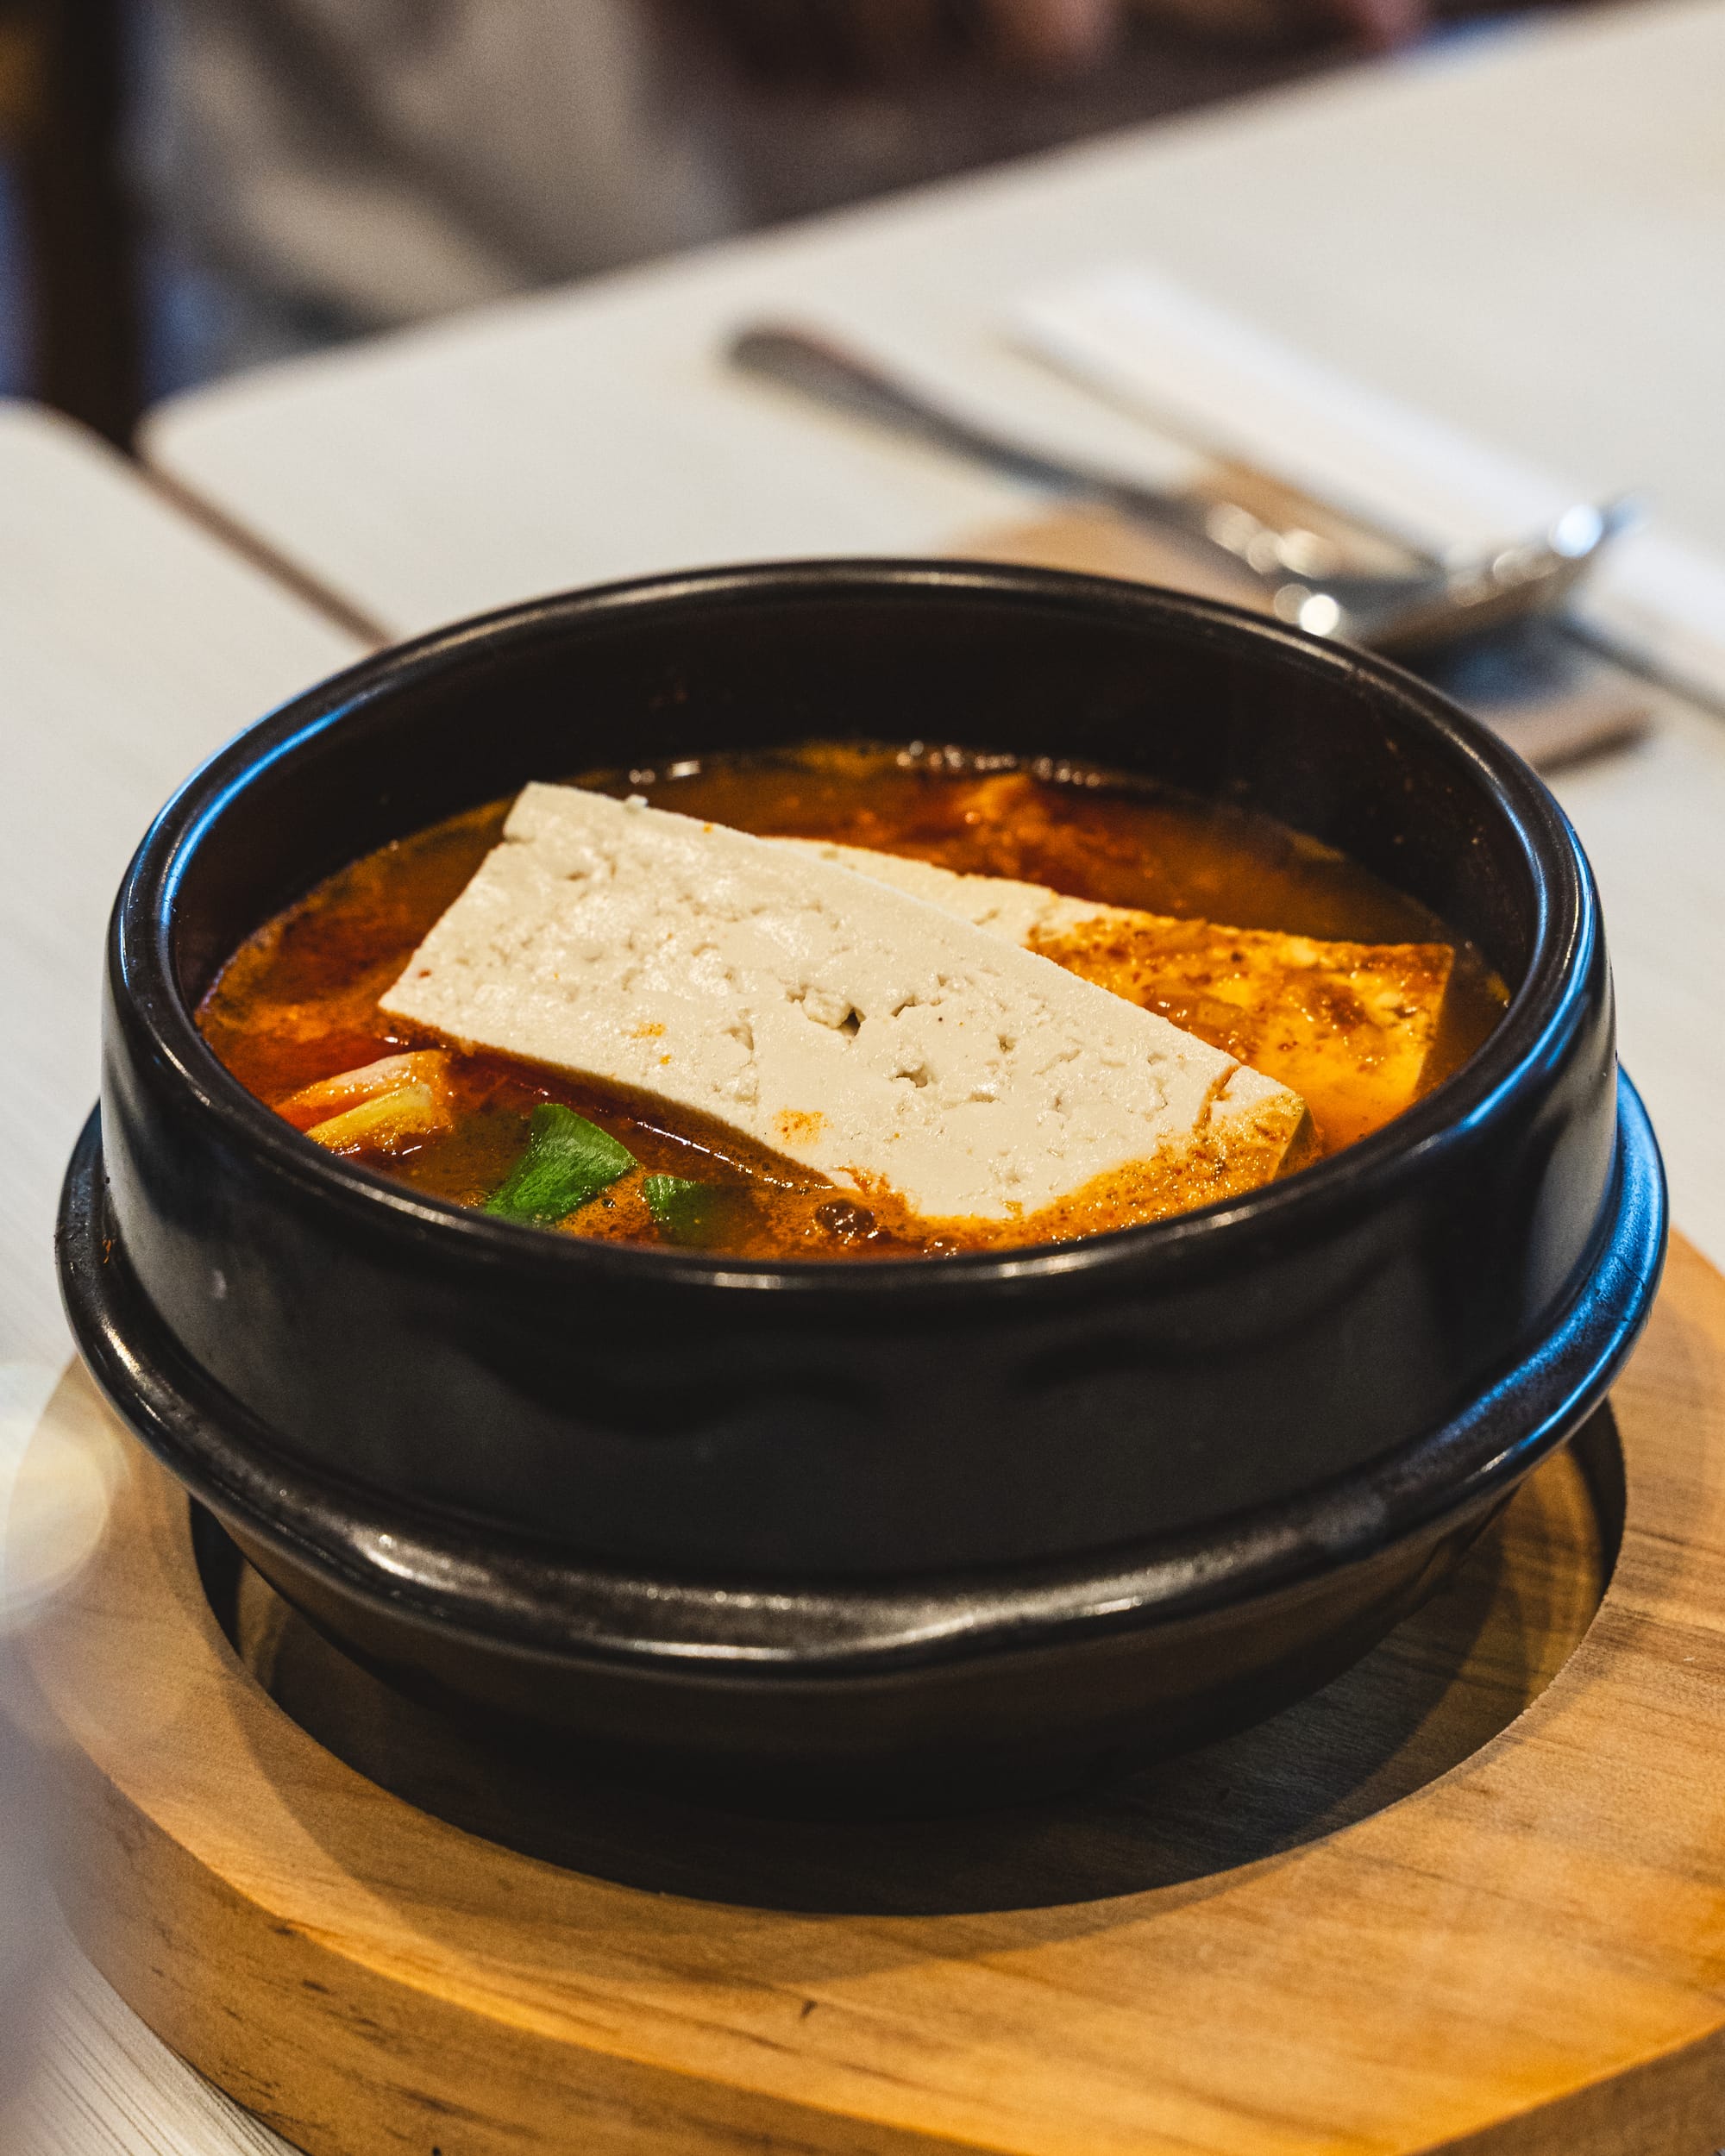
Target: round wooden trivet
x,y
1473,1897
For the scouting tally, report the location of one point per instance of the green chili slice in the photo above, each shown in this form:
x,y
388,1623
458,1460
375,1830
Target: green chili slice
x,y
683,1212
567,1163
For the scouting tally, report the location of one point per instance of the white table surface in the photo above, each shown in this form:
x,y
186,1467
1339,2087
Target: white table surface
x,y
1444,229
1522,234
131,644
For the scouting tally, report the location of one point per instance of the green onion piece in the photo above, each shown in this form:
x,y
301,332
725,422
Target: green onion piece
x,y
683,1212
568,1161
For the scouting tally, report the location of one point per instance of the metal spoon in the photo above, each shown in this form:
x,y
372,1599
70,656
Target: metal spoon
x,y
1434,605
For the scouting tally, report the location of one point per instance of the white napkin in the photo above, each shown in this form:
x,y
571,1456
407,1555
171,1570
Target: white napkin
x,y
1199,375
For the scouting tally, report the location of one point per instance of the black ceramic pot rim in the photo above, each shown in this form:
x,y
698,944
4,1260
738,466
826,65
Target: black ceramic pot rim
x,y
140,953
736,1630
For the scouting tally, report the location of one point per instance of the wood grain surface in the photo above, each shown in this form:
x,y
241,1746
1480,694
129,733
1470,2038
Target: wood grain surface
x,y
1406,1916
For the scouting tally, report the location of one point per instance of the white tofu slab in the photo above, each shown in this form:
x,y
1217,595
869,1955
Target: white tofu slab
x,y
1348,1025
1018,911
852,1025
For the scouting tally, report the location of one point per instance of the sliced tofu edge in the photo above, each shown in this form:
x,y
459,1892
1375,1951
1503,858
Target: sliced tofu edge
x,y
1073,932
1007,907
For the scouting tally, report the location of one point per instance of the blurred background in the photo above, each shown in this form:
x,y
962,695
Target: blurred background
x,y
188,187
192,188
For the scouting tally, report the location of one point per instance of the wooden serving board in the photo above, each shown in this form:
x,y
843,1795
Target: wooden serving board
x,y
1471,1898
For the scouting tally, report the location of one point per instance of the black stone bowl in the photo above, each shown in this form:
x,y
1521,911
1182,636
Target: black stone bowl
x,y
908,1531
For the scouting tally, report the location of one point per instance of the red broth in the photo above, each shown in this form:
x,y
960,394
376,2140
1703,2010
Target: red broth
x,y
297,1002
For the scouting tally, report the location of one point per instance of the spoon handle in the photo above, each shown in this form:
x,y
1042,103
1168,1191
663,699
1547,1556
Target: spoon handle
x,y
840,377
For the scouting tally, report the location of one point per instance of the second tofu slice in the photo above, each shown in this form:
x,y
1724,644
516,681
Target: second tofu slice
x,y
1350,1026
858,1028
